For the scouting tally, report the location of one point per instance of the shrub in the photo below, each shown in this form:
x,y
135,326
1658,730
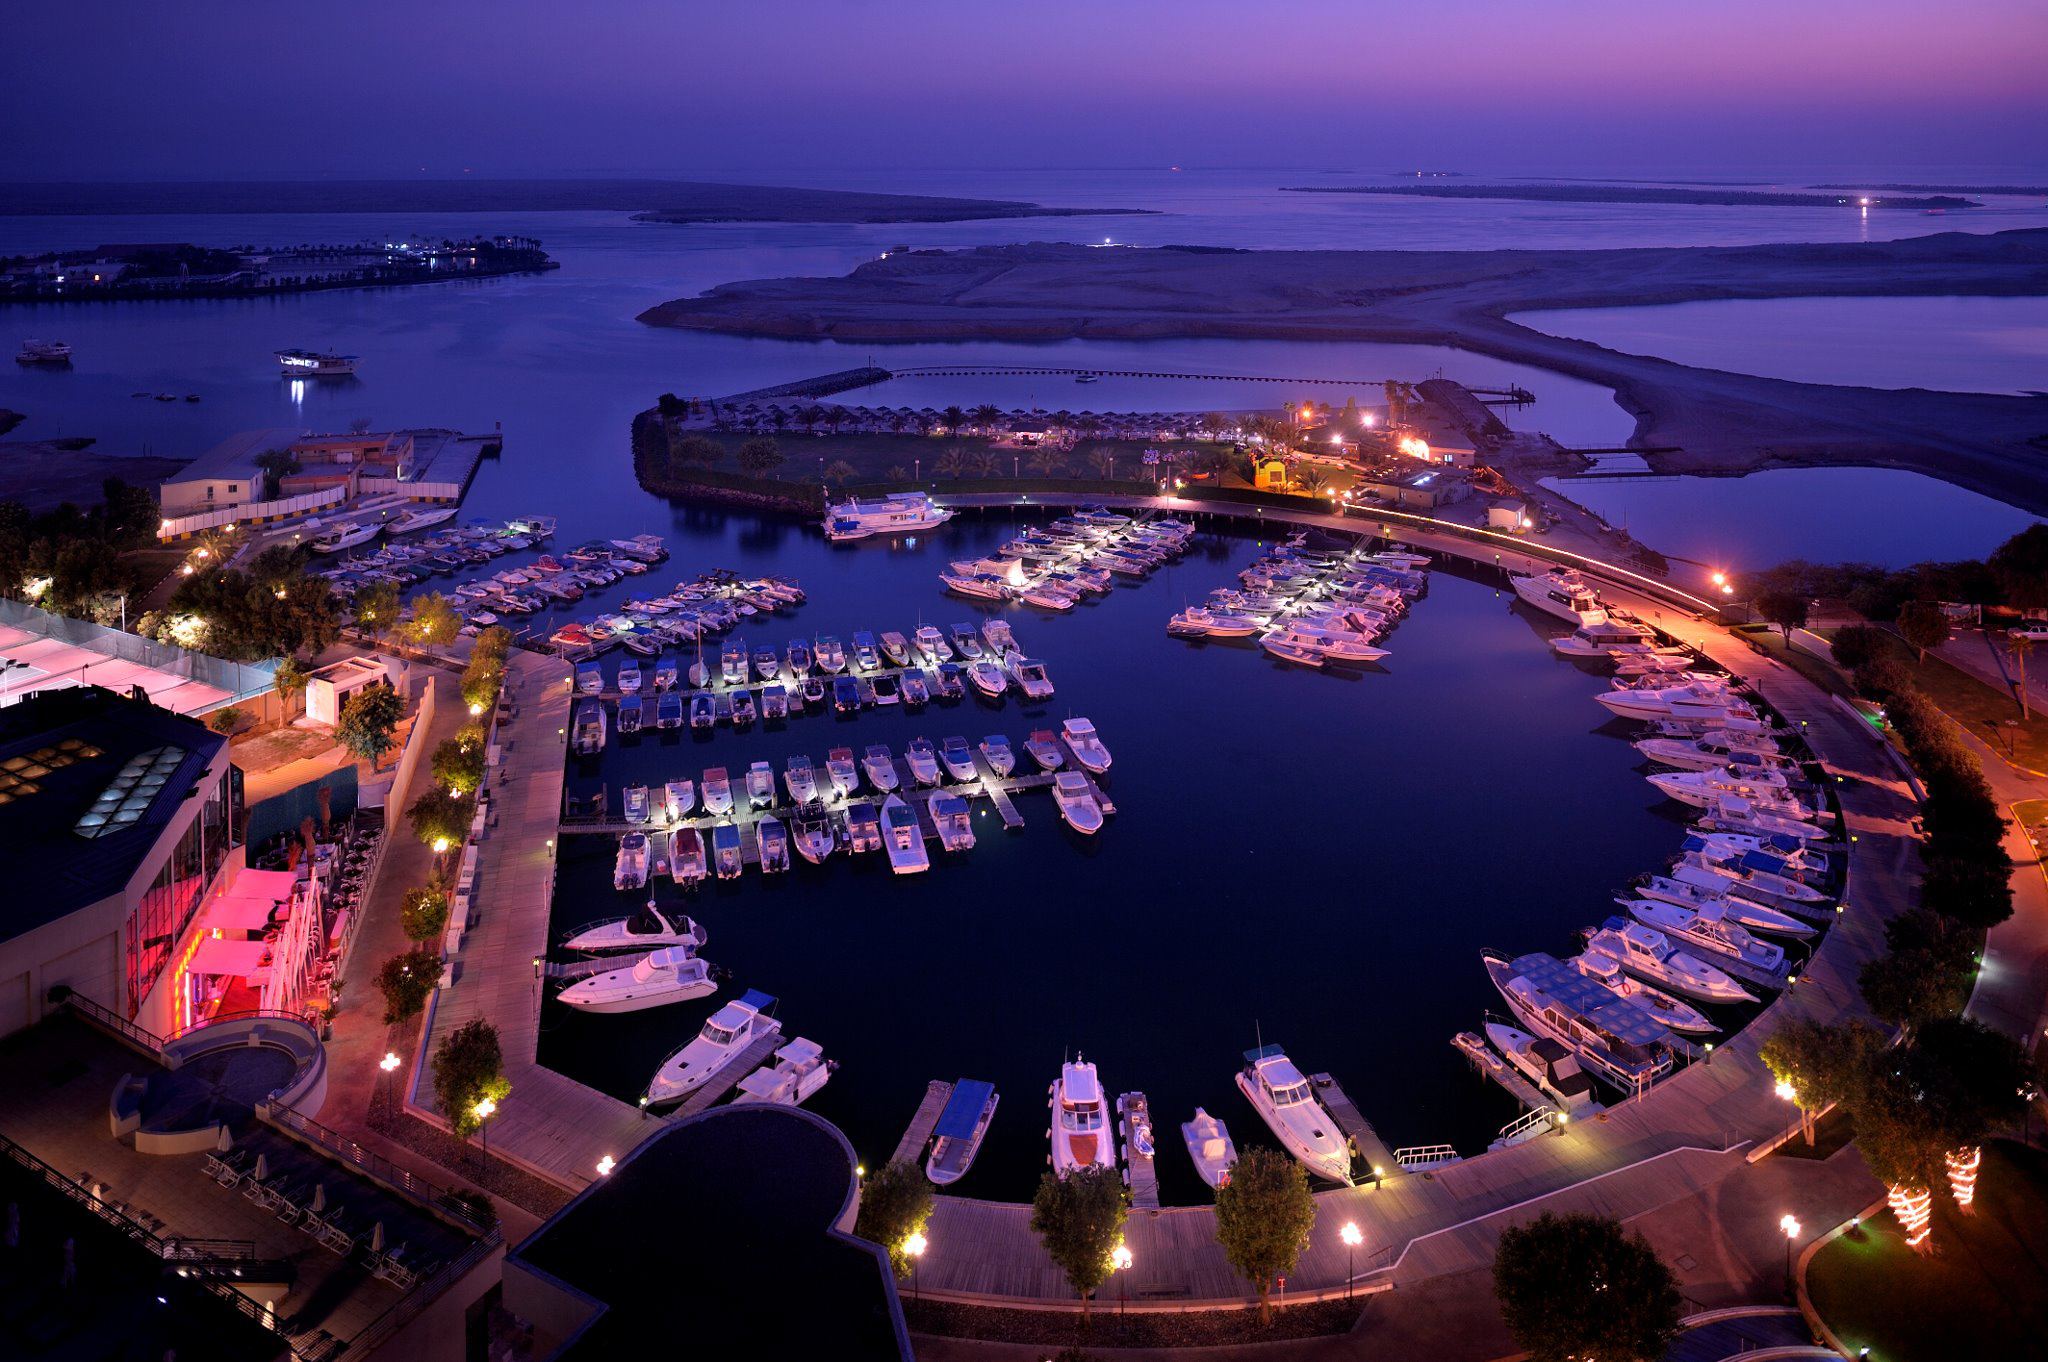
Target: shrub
x,y
895,1203
424,914
468,1068
408,980
224,720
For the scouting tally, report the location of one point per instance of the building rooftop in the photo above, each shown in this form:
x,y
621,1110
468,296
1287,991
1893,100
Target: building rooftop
x,y
88,779
235,457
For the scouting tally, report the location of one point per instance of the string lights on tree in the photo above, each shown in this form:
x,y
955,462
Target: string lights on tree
x,y
1962,1174
1914,1206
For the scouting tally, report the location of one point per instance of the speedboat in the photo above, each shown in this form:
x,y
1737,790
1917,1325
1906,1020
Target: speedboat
x,y
717,792
880,767
1210,1146
726,1035
988,678
958,758
665,675
588,737
629,867
726,856
767,662
953,819
999,636
1086,745
916,691
629,715
902,839
799,658
863,827
799,1070
703,709
963,1121
951,683
814,839
886,689
846,695
1563,593
742,708
774,701
637,803
686,864
967,642
1607,972
672,974
1029,676
829,654
1694,700
995,749
1198,621
732,663
1550,1065
841,770
1291,652
760,784
1081,1136
1076,802
1273,1086
923,760
801,779
668,710
933,644
896,648
774,843
1044,749
1708,928
644,930
1648,954
631,678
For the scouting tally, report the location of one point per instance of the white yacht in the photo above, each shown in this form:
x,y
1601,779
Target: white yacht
x,y
1045,750
923,760
799,1070
1563,593
1550,1065
1076,802
932,643
1086,745
801,778
1698,787
1272,1084
1753,875
1715,750
760,784
1715,704
686,861
1622,1043
1691,887
726,1035
988,678
1710,930
1201,620
813,833
953,819
1210,1146
962,1124
672,974
629,867
419,518
644,930
345,535
1607,972
43,352
680,796
314,364
1648,954
1081,1137
1029,676
1330,645
1732,813
902,839
958,759
903,513
880,767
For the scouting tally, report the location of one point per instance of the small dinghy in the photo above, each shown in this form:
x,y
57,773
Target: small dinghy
x,y
1210,1146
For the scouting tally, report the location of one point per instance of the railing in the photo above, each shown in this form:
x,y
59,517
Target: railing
x,y
1425,1155
1532,1117
436,1199
241,680
110,1020
422,1293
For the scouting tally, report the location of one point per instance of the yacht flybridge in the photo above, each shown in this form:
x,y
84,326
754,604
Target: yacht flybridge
x,y
1271,1083
1081,1137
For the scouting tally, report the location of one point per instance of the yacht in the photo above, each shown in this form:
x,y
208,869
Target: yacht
x,y
933,644
995,749
902,839
1786,856
1698,787
985,586
1029,676
1563,593
314,364
1076,802
1086,745
863,827
953,819
1081,1136
629,867
672,974
727,857
1698,884
668,710
903,513
773,838
896,648
1715,704
1648,954
1199,620
588,736
958,758
801,778
1210,1146
726,1035
814,838
923,760
346,535
419,518
841,771
1715,750
1044,749
1607,972
1330,645
760,784
999,637
1623,1044
957,1137
55,353
686,864
1708,928
637,804
1273,1086
1291,652
717,790
880,767
1731,813
988,678
644,930
799,1070
1549,1065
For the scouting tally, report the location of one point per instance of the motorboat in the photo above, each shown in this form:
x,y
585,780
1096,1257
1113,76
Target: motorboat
x,y
1076,802
799,1070
902,839
1028,674
1715,751
665,675
1697,787
1550,1065
799,658
951,683
801,779
1563,593
742,708
966,640
963,1122
1210,1146
812,693
1607,972
846,695
774,701
310,364
1287,1102
916,691
727,857
1648,954
953,819
886,688
1331,645
1714,703
703,709
999,636
629,867
895,647
54,353
589,678
813,833
678,798
1789,855
588,735
668,710
686,861
988,678
1618,1041
1752,874
631,678
1291,652
958,758
863,827
1731,813
1201,621
902,513
644,930
923,760
672,974
345,535
880,767
726,1035
732,663
630,711
637,804
1086,745
995,749
1081,1136
984,586
773,838
760,784
1696,887
841,771
717,789
1042,747
933,644
1710,929
829,654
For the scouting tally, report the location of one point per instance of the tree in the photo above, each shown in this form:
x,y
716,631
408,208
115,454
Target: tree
x,y
895,1203
897,473
2020,568
225,720
1858,645
424,913
696,449
1047,461
1922,624
1080,1219
468,1070
289,681
952,463
1263,1217
376,608
953,416
986,415
1786,609
368,720
1822,1064
1911,988
434,623
1102,459
406,981
758,457
841,472
439,816
1576,1286
1309,477
459,766
1972,892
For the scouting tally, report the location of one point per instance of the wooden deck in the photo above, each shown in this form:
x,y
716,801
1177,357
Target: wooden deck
x,y
1141,1171
1366,1144
918,1133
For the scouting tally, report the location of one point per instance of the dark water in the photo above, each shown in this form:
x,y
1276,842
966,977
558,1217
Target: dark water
x,y
1313,855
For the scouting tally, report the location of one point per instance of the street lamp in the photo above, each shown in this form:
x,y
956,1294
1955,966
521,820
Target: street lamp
x,y
1790,1225
483,1111
913,1249
1121,1257
389,1063
1352,1239
605,1166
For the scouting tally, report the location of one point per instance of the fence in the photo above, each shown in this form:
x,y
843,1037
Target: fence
x,y
434,1198
240,679
417,491
254,512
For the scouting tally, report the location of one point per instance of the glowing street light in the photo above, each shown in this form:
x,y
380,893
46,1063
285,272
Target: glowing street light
x,y
475,710
1787,1091
1789,1224
483,1112
389,1063
1352,1238
440,845
1120,1256
913,1249
605,1166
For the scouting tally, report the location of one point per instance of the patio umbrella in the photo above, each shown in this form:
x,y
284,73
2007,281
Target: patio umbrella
x,y
225,1142
377,1237
262,1168
319,1198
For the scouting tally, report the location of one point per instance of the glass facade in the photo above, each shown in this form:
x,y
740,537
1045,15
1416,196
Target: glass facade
x,y
172,899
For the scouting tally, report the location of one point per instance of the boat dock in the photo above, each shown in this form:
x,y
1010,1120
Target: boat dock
x,y
1366,1143
568,971
728,1078
1141,1171
1503,1073
918,1134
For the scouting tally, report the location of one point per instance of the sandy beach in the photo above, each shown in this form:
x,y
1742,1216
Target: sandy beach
x,y
1715,422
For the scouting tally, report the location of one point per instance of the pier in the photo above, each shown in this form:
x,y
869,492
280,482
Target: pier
x,y
1028,371
728,1078
918,1134
1366,1143
1141,1171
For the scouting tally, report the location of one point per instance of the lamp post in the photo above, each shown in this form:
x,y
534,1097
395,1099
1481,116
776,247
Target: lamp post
x,y
913,1249
1352,1239
1121,1256
1790,1225
483,1111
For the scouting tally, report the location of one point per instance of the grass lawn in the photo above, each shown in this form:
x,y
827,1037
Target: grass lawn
x,y
1977,706
1982,1294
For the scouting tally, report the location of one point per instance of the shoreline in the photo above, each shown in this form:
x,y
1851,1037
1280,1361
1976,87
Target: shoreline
x,y
1716,422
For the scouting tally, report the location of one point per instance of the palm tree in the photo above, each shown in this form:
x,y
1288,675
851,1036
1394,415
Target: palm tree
x,y
810,416
984,462
1103,460
897,473
953,416
835,417
1048,461
952,463
897,421
1308,477
839,471
985,416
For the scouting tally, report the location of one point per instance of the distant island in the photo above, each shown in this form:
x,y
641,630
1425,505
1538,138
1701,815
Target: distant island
x,y
1943,188
680,201
1594,193
180,270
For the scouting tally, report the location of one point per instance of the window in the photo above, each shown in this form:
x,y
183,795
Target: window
x,y
234,487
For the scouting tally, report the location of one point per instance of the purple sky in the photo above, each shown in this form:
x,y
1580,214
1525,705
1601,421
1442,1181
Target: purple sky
x,y
203,88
